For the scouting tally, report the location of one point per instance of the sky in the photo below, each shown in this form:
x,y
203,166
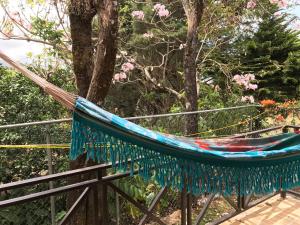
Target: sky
x,y
19,49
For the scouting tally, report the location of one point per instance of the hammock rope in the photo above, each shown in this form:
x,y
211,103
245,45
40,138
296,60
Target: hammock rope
x,y
65,98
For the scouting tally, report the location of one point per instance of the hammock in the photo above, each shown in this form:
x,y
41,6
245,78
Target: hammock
x,y
226,166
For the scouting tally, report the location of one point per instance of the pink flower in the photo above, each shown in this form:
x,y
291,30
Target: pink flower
x,y
148,35
238,79
138,14
14,13
251,4
282,3
251,99
126,67
249,76
158,6
161,10
296,25
182,46
252,86
117,77
277,14
163,13
123,76
120,76
248,99
244,98
245,81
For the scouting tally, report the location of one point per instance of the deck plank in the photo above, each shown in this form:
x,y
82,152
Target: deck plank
x,y
275,211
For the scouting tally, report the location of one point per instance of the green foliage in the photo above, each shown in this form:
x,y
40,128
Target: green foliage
x,y
22,101
125,19
34,2
271,54
144,192
47,30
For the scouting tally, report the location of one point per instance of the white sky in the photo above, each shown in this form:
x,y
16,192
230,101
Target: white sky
x,y
18,49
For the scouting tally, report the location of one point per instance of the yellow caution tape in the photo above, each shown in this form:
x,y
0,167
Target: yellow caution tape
x,y
232,125
39,146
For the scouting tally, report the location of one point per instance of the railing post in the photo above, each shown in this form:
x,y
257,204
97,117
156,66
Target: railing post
x,y
189,209
240,199
285,130
117,206
183,203
96,204
103,197
50,171
282,192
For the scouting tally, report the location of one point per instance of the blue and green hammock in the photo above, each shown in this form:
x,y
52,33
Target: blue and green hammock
x,y
227,166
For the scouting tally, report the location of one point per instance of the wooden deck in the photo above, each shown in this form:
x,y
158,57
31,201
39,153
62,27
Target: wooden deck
x,y
275,211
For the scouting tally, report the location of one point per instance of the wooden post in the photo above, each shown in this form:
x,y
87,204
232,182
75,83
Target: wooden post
x,y
103,198
240,198
50,171
189,209
96,203
117,206
282,192
183,206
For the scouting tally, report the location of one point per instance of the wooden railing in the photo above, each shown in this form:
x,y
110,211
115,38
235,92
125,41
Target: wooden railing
x,y
88,185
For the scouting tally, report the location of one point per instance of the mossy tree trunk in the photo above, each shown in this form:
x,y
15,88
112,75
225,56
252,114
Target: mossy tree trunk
x,y
193,10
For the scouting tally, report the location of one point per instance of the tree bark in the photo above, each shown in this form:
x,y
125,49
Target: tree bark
x,y
105,57
193,10
81,14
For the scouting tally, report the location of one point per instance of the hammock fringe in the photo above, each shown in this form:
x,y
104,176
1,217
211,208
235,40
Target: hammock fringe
x,y
101,145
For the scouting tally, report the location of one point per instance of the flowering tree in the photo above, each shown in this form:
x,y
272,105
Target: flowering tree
x,y
153,34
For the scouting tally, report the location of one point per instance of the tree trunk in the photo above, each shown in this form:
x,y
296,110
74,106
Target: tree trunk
x,y
81,14
193,10
105,57
93,76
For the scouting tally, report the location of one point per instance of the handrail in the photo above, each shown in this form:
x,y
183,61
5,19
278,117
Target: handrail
x,y
258,132
47,122
292,126
44,194
52,177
